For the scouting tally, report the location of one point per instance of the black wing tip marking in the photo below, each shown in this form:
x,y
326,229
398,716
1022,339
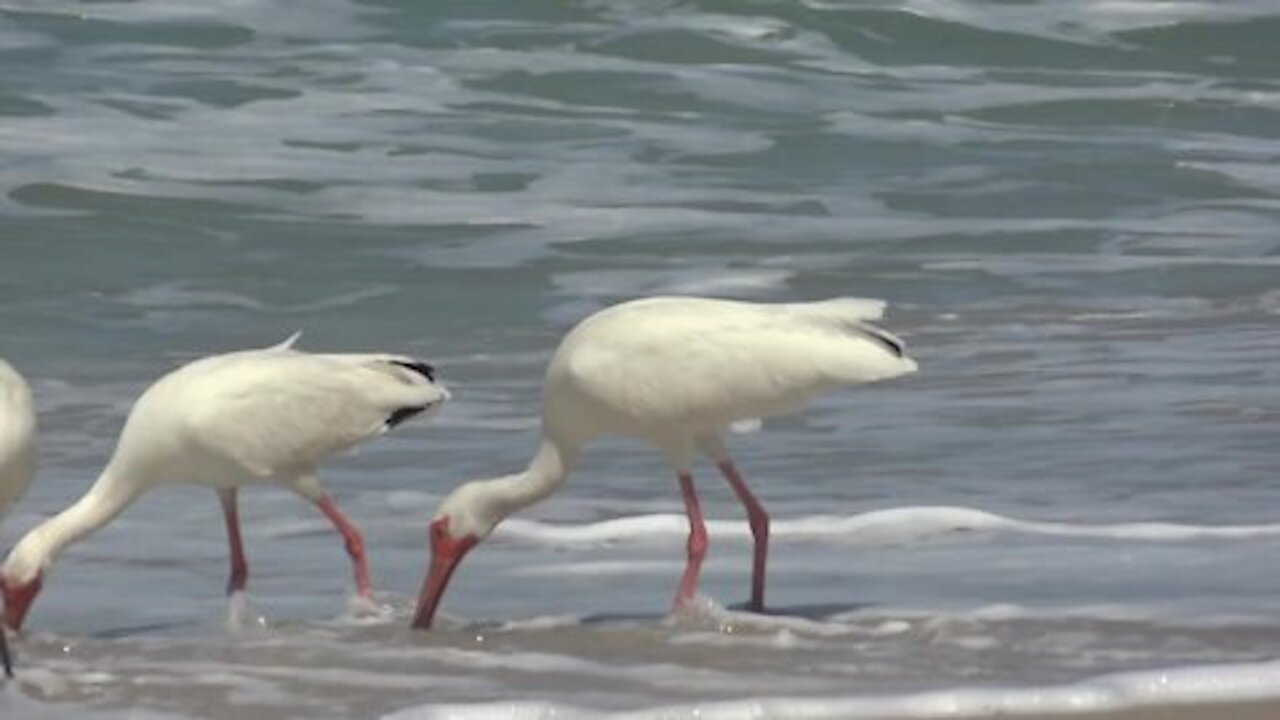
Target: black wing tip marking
x,y
889,342
402,414
424,369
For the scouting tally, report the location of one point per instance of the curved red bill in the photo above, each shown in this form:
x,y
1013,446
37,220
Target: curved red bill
x,y
446,553
18,599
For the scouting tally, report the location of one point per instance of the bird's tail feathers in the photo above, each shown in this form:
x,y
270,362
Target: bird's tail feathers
x,y
854,314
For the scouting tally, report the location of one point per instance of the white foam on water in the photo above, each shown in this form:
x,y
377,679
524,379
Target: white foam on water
x,y
1260,176
599,568
545,663
705,280
721,282
1106,693
178,295
14,705
542,622
1000,612
736,627
878,527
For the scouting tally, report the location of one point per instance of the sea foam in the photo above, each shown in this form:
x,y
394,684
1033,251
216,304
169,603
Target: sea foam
x,y
904,525
1105,693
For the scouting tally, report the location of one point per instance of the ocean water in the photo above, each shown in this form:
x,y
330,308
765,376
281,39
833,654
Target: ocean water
x,y
1073,210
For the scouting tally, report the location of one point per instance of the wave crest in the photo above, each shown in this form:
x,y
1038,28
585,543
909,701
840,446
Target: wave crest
x,y
878,527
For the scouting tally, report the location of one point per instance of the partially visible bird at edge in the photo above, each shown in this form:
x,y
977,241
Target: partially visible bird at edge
x,y
17,455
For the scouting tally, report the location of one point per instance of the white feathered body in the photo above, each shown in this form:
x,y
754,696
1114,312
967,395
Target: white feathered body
x,y
673,371
17,437
271,414
264,414
672,368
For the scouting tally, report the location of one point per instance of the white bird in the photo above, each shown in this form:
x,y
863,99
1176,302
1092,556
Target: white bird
x,y
17,454
226,420
17,437
673,371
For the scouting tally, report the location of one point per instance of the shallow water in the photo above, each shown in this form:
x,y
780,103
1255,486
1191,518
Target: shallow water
x,y
1071,207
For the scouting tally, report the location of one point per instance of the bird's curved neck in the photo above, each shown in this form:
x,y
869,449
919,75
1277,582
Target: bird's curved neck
x,y
108,496
551,464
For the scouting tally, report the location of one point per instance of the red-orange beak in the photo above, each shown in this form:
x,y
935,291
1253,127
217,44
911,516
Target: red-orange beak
x,y
18,599
446,553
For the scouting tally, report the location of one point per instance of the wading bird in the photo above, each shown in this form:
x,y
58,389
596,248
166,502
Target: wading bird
x,y
17,455
673,371
223,421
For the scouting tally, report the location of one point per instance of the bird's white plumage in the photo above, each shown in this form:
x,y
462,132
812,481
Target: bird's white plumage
x,y
17,455
267,414
674,371
17,437
671,368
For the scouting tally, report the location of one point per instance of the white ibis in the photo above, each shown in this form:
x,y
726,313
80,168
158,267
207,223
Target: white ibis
x,y
17,437
223,421
17,455
673,371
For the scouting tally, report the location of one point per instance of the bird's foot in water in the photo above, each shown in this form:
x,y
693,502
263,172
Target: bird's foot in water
x,y
240,615
695,608
363,605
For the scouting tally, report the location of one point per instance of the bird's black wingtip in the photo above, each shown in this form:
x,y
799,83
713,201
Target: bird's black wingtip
x,y
885,339
402,414
894,345
424,369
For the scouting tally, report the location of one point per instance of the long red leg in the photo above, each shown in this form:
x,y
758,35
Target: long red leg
x,y
759,521
239,566
354,541
697,543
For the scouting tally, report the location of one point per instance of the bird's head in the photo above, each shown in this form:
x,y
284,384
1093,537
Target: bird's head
x,y
21,578
465,518
18,597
